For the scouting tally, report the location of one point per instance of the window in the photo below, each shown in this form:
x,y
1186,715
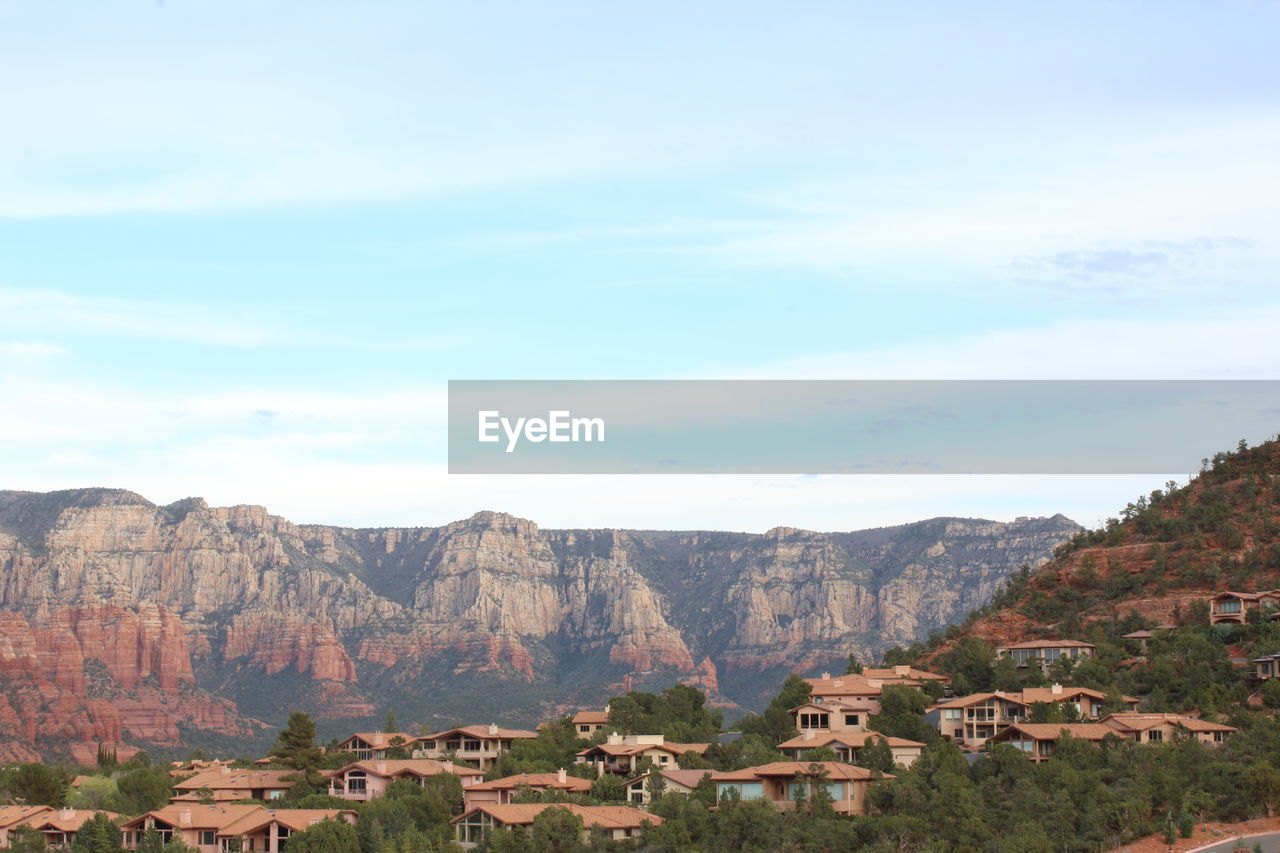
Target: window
x,y
472,830
815,721
664,759
1232,606
851,719
951,713
208,838
744,790
586,730
1155,735
356,780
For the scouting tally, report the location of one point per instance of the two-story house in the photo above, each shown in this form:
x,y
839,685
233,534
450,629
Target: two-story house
x,y
625,753
847,745
481,744
616,823
1040,740
1044,653
972,720
785,782
365,780
227,784
674,781
226,827
1234,607
1159,728
366,746
587,723
500,791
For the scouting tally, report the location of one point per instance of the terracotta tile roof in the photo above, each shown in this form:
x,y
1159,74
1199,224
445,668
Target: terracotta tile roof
x,y
222,795
1247,596
68,820
1053,731
390,767
1138,635
200,817
911,674
236,778
534,780
379,740
687,778
836,771
856,740
844,685
1142,722
295,819
15,815
482,733
591,718
609,817
1050,644
1046,694
979,698
639,748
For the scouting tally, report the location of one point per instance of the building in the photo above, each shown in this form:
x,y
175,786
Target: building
x,y
364,780
228,784
777,782
1044,653
226,827
1234,607
587,723
831,714
1266,667
500,791
60,827
624,753
1087,703
481,744
12,817
619,822
972,720
370,745
902,675
675,781
847,745
1040,740
1158,728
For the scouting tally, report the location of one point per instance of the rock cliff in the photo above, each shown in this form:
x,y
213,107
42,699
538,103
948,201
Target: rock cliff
x,y
126,622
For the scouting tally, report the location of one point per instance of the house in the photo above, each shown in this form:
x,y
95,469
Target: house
x,y
1156,728
12,817
618,822
228,784
60,827
186,768
1044,653
370,745
226,827
778,782
847,745
1234,607
971,720
1039,740
624,753
902,675
481,744
1088,703
830,714
500,791
364,780
674,781
852,692
587,723
1266,667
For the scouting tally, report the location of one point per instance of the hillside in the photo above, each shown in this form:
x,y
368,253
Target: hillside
x,y
126,622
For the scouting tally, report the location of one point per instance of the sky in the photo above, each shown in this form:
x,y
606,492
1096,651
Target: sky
x,y
244,245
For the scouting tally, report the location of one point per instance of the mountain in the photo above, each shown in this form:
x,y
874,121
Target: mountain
x,y
1160,559
188,625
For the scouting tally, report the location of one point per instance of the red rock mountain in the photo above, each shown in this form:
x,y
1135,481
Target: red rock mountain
x,y
126,622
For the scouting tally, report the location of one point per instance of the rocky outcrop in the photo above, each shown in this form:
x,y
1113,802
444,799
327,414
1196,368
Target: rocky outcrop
x,y
130,620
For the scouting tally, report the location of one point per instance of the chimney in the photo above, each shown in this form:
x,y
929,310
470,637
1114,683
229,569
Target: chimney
x,y
902,670
614,739
808,734
1056,690
226,770
999,692
561,776
448,767
66,814
493,728
825,676
381,768
184,817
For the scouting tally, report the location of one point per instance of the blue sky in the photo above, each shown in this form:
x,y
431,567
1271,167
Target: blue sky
x,y
244,245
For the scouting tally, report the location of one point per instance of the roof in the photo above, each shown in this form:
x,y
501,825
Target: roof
x,y
1142,722
534,780
381,740
907,672
591,718
687,778
1053,731
609,817
1138,635
222,795
979,698
1046,694
857,740
295,819
1247,596
13,815
235,778
483,732
68,820
1050,644
201,816
407,767
835,771
641,748
844,685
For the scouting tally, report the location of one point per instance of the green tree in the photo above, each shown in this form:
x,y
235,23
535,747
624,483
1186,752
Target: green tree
x,y
327,836
97,835
36,785
1263,783
877,755
1271,693
609,789
776,723
25,839
853,667
296,743
144,788
556,830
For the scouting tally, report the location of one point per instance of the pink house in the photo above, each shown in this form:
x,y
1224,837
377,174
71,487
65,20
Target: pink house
x,y
365,780
500,791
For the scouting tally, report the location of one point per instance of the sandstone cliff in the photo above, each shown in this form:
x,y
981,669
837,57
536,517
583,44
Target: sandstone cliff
x,y
123,621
